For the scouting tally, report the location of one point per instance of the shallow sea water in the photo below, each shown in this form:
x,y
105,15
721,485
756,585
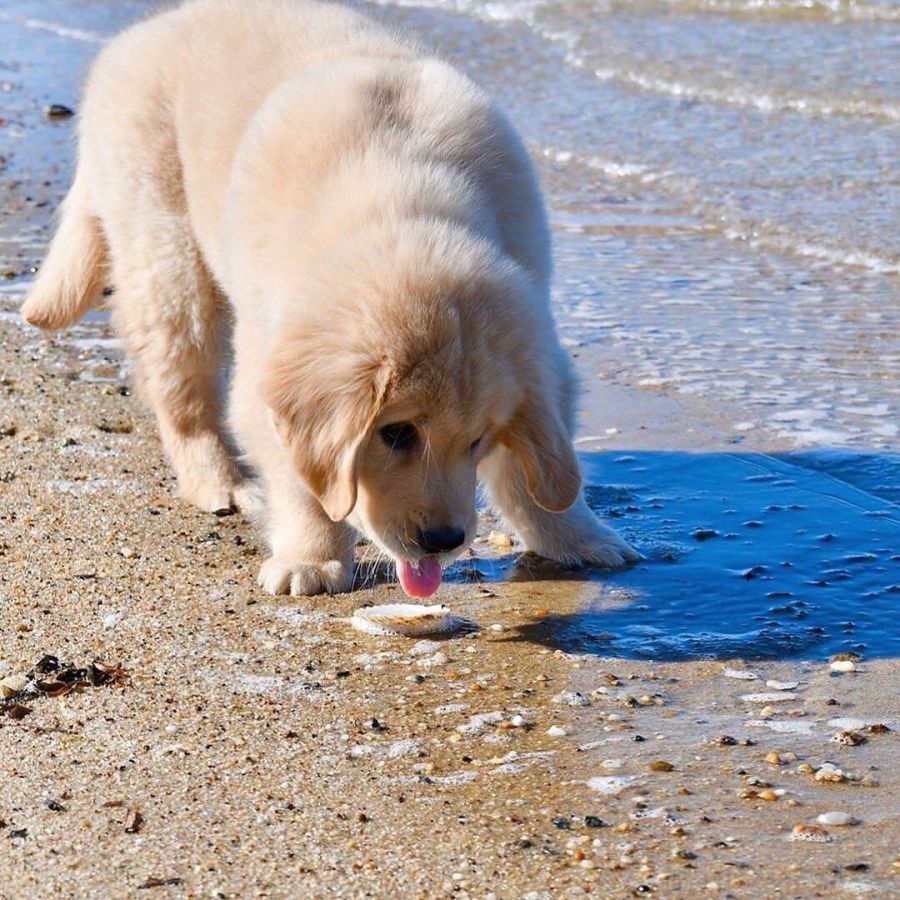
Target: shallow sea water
x,y
723,186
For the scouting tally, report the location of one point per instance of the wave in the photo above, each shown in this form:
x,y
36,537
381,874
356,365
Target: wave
x,y
824,10
729,222
736,96
527,12
73,34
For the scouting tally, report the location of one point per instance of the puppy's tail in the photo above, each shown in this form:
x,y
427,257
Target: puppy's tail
x,y
72,277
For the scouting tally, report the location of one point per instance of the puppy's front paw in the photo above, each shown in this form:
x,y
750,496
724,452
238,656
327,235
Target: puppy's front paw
x,y
301,579
584,541
606,549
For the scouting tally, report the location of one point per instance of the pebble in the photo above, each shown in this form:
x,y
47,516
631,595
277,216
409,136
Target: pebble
x,y
518,722
768,794
556,731
837,818
661,765
773,758
498,627
58,111
12,686
843,665
814,833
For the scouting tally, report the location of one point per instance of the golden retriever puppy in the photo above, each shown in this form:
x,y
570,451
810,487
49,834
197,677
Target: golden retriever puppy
x,y
372,225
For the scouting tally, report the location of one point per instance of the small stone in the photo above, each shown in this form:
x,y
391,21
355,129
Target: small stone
x,y
498,627
806,769
773,758
767,712
661,765
768,794
595,822
518,722
843,665
813,833
58,111
782,685
556,731
725,740
837,818
12,686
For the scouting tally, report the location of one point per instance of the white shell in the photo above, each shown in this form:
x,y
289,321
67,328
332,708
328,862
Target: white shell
x,y
837,818
843,665
408,619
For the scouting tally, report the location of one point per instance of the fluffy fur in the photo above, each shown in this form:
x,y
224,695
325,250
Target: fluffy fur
x,y
373,225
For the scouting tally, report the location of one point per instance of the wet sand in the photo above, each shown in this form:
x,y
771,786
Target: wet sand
x,y
264,748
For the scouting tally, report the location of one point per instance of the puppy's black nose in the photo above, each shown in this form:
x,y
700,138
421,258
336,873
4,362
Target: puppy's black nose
x,y
440,540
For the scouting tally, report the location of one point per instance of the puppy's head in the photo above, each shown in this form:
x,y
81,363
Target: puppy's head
x,y
426,356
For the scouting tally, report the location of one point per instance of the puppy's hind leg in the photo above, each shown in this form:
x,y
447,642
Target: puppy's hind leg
x,y
573,537
169,314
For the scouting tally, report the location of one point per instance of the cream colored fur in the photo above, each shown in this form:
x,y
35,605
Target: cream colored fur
x,y
373,226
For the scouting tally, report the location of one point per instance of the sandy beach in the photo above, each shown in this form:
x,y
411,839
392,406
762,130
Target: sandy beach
x,y
676,730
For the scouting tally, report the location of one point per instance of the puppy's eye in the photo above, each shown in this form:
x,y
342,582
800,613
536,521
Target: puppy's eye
x,y
400,436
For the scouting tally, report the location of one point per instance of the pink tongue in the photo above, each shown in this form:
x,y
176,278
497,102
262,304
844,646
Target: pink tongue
x,y
422,580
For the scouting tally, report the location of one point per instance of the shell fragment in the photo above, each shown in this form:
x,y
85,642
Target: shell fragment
x,y
409,619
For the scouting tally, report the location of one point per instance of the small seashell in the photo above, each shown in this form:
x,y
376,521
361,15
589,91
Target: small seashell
x,y
775,697
409,619
830,773
814,833
843,665
783,685
740,674
848,738
571,698
12,686
837,818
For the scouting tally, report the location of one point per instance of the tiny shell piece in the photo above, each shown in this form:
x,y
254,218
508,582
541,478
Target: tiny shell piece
x,y
409,619
12,685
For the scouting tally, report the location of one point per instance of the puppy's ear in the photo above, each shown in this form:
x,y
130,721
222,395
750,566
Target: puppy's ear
x,y
537,437
324,400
